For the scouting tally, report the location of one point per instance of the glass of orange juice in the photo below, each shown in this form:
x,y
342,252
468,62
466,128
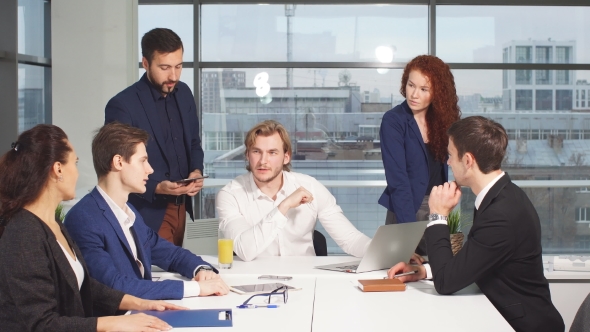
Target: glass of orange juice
x,y
225,251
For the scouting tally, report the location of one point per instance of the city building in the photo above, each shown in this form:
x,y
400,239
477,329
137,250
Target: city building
x,y
526,90
582,95
212,86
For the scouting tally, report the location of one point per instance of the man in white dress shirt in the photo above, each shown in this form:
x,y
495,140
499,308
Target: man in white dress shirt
x,y
271,211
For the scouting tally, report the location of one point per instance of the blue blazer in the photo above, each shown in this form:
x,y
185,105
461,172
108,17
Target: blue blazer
x,y
406,163
97,232
135,106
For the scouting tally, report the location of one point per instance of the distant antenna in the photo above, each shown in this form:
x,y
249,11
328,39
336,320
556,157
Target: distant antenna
x,y
289,12
344,78
323,74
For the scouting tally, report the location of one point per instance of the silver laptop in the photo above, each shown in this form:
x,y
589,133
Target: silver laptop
x,y
391,244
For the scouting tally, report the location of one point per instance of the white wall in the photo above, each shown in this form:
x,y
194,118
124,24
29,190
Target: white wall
x,y
94,56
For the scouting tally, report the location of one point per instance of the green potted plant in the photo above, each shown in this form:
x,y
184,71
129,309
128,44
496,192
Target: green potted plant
x,y
60,214
456,224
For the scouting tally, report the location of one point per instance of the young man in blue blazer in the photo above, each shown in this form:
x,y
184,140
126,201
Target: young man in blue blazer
x,y
162,105
118,247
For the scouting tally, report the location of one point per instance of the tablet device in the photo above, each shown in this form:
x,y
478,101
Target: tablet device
x,y
259,288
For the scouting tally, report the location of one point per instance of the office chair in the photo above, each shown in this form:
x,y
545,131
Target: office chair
x,y
319,244
200,236
581,321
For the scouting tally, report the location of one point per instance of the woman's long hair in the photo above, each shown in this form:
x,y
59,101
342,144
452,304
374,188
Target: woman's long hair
x,y
443,110
25,168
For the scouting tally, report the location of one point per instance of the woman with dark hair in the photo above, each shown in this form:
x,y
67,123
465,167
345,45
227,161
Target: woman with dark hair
x,y
45,284
414,140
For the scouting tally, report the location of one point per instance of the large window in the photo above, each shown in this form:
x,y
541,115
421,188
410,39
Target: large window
x,y
331,72
318,33
524,100
543,100
34,71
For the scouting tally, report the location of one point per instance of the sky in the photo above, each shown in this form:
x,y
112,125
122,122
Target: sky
x,y
352,32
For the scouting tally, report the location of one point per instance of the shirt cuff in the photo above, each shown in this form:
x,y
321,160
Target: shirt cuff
x,y
428,270
191,288
195,271
437,222
278,217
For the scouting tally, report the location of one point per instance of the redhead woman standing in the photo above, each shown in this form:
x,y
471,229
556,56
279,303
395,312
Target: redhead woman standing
x,y
414,140
45,285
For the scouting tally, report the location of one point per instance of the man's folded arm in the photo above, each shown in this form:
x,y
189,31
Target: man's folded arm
x,y
249,241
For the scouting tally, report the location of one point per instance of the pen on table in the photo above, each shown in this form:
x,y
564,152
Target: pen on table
x,y
254,306
403,274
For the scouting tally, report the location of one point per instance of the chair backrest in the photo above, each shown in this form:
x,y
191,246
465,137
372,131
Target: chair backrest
x,y
319,244
581,321
200,236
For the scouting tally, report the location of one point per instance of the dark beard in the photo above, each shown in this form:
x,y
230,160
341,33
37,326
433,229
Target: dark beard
x,y
162,87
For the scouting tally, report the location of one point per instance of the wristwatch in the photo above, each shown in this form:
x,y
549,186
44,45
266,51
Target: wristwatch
x,y
203,267
436,216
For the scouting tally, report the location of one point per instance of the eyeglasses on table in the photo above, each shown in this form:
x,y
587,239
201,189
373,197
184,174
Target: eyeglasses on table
x,y
283,290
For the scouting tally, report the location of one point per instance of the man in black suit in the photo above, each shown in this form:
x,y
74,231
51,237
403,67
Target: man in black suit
x,y
162,105
503,252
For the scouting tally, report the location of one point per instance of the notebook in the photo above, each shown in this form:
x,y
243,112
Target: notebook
x,y
382,285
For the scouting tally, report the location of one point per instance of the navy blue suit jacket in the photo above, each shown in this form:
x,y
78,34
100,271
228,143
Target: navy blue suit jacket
x,y
135,106
405,162
97,232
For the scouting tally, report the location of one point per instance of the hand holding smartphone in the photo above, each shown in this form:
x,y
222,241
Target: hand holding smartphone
x,y
189,180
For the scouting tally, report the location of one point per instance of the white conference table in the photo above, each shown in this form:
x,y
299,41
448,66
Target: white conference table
x,y
331,301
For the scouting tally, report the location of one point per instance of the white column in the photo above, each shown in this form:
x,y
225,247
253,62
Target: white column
x,y
94,56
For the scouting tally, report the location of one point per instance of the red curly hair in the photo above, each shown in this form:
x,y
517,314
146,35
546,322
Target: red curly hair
x,y
443,110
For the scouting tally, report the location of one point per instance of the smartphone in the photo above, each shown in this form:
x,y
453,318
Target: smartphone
x,y
268,276
189,180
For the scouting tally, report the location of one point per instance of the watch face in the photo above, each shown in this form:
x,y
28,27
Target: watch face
x,y
436,216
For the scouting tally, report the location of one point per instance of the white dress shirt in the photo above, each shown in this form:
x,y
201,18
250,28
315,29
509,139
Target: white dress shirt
x,y
75,264
482,194
126,219
258,228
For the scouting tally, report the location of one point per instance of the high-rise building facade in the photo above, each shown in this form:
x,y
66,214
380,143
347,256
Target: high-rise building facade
x,y
214,82
538,90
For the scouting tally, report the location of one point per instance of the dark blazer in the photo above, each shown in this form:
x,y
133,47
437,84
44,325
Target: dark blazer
x,y
406,163
38,288
135,106
98,233
502,256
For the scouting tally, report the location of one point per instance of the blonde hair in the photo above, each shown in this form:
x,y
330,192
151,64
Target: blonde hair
x,y
268,128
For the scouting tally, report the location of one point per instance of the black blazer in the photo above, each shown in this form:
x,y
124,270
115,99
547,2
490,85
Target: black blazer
x,y
38,288
502,256
135,106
